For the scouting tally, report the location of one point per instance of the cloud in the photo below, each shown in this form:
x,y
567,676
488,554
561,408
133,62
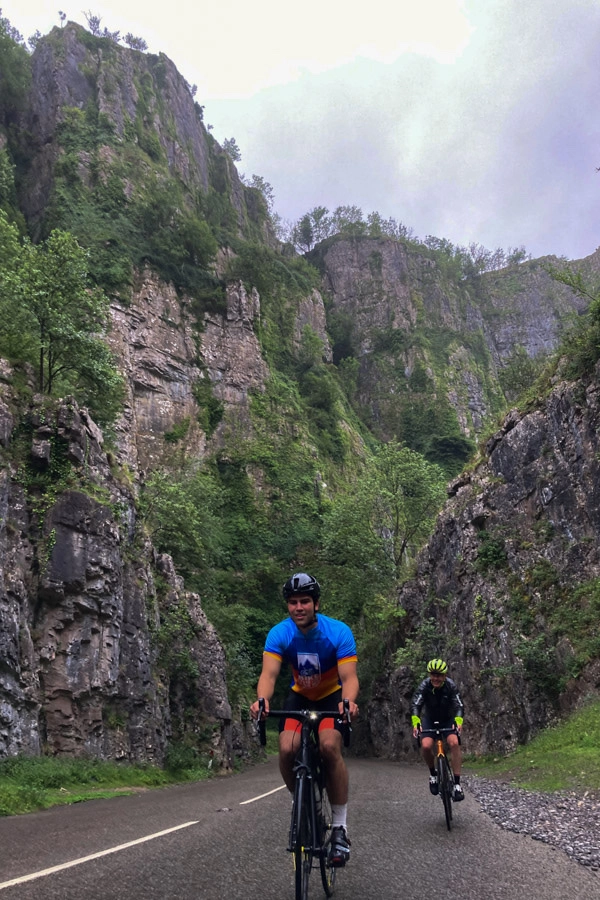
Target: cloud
x,y
499,148
470,120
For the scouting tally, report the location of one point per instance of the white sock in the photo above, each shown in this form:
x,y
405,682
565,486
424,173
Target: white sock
x,y
339,812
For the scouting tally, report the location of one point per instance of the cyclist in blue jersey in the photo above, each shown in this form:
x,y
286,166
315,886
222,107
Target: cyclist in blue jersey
x,y
321,653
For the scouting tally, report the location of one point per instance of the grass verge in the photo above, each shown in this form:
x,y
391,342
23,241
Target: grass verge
x,y
565,757
33,783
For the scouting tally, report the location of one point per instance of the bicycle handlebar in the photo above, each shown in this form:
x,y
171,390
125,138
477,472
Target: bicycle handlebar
x,y
437,732
301,715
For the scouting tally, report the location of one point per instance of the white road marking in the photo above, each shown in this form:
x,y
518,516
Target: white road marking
x,y
83,859
260,796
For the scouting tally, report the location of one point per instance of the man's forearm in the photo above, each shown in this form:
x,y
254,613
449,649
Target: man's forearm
x,y
265,688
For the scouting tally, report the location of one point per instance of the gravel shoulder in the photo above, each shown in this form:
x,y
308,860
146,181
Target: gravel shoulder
x,y
567,820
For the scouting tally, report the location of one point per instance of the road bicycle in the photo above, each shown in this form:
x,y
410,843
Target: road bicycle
x,y
310,827
442,766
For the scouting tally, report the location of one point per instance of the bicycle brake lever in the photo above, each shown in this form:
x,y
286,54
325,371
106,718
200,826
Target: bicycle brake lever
x,y
260,722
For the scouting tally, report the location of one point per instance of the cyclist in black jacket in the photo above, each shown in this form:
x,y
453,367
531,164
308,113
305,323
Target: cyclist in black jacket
x,y
437,700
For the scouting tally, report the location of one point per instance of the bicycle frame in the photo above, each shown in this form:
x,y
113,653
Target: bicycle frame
x,y
442,765
308,835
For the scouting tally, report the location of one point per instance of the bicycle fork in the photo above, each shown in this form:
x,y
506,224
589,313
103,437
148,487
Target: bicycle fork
x,y
303,809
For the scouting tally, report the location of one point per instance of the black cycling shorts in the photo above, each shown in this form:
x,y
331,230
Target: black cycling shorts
x,y
427,724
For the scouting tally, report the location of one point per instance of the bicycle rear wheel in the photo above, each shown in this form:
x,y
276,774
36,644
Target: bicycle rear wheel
x,y
445,781
324,818
302,838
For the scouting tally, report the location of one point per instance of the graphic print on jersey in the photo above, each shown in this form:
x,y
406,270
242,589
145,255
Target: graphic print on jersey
x,y
309,670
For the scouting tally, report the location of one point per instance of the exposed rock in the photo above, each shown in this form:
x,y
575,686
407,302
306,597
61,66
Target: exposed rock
x,y
80,612
534,506
395,299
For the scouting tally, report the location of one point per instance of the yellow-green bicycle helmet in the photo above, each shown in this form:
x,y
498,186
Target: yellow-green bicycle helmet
x,y
438,666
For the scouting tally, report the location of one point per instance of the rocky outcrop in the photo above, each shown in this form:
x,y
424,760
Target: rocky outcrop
x,y
85,601
74,71
85,604
155,341
507,588
402,309
166,355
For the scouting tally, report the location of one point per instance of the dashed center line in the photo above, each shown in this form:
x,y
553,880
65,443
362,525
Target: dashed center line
x,y
260,796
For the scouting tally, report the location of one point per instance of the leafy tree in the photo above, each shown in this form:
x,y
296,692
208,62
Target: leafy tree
x,y
137,43
34,39
182,513
408,494
259,184
379,527
519,372
303,235
93,23
581,342
15,71
375,224
517,255
51,313
348,220
321,223
232,150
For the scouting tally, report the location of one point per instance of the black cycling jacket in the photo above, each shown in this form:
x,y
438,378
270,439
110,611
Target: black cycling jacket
x,y
438,704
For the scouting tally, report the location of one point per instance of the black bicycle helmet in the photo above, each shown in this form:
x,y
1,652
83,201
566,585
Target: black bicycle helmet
x,y
301,583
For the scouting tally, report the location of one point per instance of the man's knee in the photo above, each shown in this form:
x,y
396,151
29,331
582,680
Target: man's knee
x,y
330,744
287,746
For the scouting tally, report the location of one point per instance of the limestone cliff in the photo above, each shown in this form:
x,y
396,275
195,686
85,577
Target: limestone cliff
x,y
131,93
508,587
398,309
103,651
85,602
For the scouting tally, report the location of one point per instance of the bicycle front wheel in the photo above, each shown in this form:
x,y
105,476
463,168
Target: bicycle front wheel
x,y
446,781
324,819
302,838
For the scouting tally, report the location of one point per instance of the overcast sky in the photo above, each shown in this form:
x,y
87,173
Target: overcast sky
x,y
472,120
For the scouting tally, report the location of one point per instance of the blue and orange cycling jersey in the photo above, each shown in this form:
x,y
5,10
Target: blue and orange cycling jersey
x,y
315,656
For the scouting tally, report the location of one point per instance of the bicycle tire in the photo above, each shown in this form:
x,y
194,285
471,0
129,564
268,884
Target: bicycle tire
x,y
445,781
324,819
302,839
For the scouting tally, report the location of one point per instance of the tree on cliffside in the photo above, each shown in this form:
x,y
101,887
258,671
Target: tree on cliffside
x,y
15,71
50,313
373,533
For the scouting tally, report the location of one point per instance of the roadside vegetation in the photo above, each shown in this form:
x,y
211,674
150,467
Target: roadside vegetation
x,y
28,784
561,758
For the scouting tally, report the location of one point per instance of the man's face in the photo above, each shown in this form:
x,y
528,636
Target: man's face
x,y
437,678
302,609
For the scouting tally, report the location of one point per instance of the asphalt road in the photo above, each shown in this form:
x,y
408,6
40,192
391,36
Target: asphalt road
x,y
235,850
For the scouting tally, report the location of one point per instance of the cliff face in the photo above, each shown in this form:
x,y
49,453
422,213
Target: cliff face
x,y
131,93
82,617
508,588
401,309
83,599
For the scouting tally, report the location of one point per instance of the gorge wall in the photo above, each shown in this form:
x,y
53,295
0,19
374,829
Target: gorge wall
x,y
508,587
102,649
